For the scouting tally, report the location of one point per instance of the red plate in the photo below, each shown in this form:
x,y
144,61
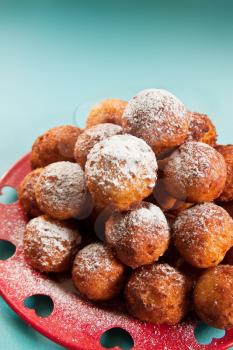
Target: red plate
x,y
75,323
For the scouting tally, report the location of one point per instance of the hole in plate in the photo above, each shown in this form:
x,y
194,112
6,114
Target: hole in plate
x,y
8,195
117,337
7,249
205,334
42,304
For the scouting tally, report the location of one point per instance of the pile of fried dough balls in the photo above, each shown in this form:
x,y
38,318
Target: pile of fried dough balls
x,y
154,167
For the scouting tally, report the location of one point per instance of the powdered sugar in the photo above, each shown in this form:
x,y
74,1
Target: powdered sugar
x,y
12,223
120,159
146,217
139,236
155,104
164,271
94,258
200,216
147,213
101,131
61,188
75,322
156,115
91,136
53,229
50,239
79,322
201,129
203,234
194,163
153,290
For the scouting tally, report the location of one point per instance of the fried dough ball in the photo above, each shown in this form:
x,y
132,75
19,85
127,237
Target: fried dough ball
x,y
27,197
158,117
55,145
89,137
97,274
195,173
120,171
61,191
213,297
227,152
158,293
201,129
50,245
139,236
203,234
107,111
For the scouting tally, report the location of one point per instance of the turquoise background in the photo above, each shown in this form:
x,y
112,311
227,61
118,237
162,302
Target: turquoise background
x,y
56,56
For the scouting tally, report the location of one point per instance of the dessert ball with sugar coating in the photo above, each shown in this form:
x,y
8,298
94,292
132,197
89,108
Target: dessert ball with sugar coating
x,y
50,245
55,145
203,234
201,129
107,111
139,236
61,191
213,298
158,117
120,171
227,152
158,293
27,197
195,173
89,137
97,274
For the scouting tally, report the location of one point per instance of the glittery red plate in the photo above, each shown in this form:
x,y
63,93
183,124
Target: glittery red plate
x,y
75,323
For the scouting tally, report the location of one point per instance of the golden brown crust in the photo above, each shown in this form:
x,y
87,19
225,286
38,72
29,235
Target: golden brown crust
x,y
158,293
89,137
97,274
50,245
26,193
107,111
227,152
213,297
201,129
55,145
203,234
139,236
195,173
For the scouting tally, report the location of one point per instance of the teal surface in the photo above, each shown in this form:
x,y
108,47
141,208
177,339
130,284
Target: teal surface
x,y
58,57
